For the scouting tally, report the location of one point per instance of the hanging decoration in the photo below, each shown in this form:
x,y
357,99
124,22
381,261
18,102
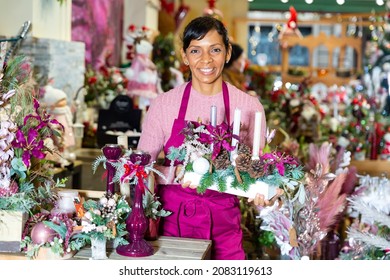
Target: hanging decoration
x,y
211,10
180,14
291,27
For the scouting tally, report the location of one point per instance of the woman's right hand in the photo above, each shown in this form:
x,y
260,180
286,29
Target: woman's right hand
x,y
180,180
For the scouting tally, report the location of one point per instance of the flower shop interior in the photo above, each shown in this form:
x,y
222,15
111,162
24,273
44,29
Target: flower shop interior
x,y
72,105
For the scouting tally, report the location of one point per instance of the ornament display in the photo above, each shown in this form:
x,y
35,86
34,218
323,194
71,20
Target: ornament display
x,y
41,233
201,165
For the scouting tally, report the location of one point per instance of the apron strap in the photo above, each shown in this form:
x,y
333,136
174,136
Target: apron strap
x,y
184,101
226,102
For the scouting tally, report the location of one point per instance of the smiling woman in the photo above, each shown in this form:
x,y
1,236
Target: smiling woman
x,y
320,6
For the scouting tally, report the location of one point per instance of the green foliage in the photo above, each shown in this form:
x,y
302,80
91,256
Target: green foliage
x,y
176,154
266,238
206,182
152,207
101,159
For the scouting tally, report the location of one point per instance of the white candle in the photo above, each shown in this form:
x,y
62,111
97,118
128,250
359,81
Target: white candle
x,y
213,120
122,140
256,136
213,116
236,131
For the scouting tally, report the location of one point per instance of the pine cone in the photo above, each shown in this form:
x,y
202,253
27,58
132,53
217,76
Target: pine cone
x,y
244,149
256,169
222,161
243,162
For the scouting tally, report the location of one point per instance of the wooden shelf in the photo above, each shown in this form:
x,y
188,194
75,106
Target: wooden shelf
x,y
332,44
165,248
372,167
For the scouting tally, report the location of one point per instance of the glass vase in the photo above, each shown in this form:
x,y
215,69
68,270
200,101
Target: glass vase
x,y
137,223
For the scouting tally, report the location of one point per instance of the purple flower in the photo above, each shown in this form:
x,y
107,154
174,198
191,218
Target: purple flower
x,y
280,161
32,146
43,118
219,136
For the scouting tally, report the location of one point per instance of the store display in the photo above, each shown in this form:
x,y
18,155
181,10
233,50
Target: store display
x,y
322,119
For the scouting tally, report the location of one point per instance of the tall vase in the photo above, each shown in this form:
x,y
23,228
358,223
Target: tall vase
x,y
137,222
112,152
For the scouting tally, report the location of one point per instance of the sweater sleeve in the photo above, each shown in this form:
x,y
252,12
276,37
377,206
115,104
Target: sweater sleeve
x,y
152,136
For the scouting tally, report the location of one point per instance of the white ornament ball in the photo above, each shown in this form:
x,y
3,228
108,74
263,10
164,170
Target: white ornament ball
x,y
201,166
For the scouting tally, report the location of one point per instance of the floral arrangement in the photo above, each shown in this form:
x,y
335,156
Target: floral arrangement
x,y
54,231
133,172
313,207
103,85
64,234
105,218
207,151
25,179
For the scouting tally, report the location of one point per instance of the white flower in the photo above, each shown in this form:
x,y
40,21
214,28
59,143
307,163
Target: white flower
x,y
111,202
103,201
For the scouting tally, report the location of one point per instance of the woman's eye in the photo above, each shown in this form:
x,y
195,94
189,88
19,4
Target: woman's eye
x,y
194,51
216,50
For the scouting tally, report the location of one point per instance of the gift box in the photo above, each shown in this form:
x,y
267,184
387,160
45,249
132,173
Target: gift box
x,y
11,229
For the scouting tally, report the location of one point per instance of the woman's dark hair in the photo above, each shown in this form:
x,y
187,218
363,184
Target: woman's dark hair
x,y
236,53
200,26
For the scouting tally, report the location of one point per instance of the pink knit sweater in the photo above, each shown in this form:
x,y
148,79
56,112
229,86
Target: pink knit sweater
x,y
157,125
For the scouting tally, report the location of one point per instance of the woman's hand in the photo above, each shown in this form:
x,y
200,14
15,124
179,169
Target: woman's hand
x,y
180,180
259,199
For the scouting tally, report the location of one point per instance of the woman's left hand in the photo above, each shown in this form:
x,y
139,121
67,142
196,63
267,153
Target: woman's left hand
x,y
259,199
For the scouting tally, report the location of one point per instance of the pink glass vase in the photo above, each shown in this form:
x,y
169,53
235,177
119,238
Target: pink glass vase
x,y
137,222
112,152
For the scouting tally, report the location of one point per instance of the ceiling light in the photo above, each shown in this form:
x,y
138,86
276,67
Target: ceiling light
x,y
340,2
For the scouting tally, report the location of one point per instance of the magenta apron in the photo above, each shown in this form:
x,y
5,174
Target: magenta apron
x,y
212,215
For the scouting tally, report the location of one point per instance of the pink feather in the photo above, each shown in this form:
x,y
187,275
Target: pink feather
x,y
331,203
319,155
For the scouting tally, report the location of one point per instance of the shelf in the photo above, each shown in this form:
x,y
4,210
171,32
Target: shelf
x,y
372,167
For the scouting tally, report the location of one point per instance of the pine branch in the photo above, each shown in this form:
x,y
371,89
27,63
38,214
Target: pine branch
x,y
100,159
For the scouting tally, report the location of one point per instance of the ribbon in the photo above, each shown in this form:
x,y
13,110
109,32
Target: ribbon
x,y
136,170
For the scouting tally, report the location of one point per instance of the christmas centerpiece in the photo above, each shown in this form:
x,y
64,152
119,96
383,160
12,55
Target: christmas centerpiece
x,y
213,158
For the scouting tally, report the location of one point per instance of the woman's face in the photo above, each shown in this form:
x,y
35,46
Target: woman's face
x,y
206,58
